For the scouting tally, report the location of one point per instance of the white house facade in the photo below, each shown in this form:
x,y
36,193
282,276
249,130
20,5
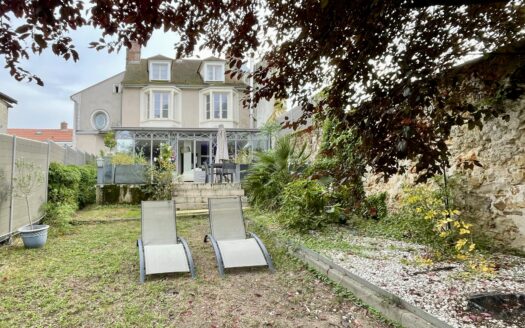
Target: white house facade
x,y
159,100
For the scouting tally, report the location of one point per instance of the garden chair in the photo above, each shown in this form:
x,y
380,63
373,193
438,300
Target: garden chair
x,y
234,247
160,249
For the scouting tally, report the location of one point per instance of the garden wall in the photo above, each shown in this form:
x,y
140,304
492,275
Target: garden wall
x,y
495,193
13,213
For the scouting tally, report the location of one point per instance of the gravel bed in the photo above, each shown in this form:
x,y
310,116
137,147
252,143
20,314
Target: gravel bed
x,y
442,289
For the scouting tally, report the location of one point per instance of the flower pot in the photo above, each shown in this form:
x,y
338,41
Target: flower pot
x,y
34,237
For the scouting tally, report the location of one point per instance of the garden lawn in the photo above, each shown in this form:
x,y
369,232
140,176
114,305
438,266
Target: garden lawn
x,y
89,278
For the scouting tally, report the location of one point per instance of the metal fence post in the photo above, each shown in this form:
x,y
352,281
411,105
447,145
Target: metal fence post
x,y
11,199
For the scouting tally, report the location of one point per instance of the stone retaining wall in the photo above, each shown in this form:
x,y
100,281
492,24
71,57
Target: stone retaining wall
x,y
496,191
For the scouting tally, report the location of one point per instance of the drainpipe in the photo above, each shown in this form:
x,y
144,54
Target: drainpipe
x,y
251,68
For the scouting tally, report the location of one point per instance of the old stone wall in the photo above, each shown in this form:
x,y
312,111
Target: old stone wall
x,y
494,193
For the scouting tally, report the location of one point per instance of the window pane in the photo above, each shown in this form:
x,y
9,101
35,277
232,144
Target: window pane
x,y
161,104
217,72
214,73
164,72
159,71
216,105
165,104
156,105
209,74
224,105
148,105
208,107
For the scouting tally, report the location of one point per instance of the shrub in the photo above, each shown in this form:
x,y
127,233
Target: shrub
x,y
375,206
160,176
73,185
424,218
303,204
87,185
126,159
340,162
64,184
272,170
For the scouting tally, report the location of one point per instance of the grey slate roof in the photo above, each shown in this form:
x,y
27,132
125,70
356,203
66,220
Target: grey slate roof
x,y
183,72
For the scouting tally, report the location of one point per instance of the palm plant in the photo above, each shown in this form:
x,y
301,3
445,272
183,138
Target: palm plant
x,y
273,170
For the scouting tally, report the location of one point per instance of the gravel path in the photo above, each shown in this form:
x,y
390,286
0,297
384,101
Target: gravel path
x,y
441,290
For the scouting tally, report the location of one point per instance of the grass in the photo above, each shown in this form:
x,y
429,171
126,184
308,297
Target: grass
x,y
89,278
108,213
330,238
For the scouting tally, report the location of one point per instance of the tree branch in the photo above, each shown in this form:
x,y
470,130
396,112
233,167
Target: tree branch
x,y
455,3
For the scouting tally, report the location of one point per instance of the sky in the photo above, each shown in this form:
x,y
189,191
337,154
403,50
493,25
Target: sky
x,y
47,106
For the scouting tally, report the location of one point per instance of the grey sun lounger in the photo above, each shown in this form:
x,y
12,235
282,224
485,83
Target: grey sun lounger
x,y
160,249
233,246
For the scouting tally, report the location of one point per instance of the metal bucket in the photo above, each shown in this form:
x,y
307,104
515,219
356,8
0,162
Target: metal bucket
x,y
34,237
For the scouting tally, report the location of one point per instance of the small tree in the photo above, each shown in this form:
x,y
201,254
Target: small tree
x,y
110,141
28,178
161,175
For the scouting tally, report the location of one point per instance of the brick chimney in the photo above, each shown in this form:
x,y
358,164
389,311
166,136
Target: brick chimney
x,y
133,53
63,126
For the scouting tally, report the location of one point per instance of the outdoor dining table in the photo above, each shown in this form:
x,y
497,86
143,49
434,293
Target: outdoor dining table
x,y
219,166
213,167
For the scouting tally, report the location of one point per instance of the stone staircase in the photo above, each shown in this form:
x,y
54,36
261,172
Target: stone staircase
x,y
194,196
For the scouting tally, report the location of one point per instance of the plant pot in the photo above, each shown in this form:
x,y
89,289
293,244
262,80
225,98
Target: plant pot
x,y
34,237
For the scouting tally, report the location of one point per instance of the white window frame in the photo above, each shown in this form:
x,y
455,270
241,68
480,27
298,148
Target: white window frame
x,y
163,95
92,120
159,62
219,78
209,101
148,107
230,116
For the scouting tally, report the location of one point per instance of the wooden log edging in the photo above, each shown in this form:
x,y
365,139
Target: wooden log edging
x,y
391,306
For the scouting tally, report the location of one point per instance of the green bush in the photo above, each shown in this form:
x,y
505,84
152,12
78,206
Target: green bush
x,y
64,184
160,176
72,185
126,159
340,164
375,206
303,205
272,171
87,185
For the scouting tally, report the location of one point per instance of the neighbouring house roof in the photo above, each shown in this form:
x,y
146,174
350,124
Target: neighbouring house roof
x,y
10,101
183,72
56,135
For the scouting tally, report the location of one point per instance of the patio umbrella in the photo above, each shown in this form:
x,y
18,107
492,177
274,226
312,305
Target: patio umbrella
x,y
222,145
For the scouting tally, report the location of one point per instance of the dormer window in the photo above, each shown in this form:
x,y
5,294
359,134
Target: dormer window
x,y
159,71
214,72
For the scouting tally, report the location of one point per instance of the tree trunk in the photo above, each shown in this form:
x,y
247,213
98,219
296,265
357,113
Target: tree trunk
x,y
29,213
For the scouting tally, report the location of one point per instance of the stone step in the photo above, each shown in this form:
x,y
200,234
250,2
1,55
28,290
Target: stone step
x,y
184,200
201,205
208,193
194,196
207,186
